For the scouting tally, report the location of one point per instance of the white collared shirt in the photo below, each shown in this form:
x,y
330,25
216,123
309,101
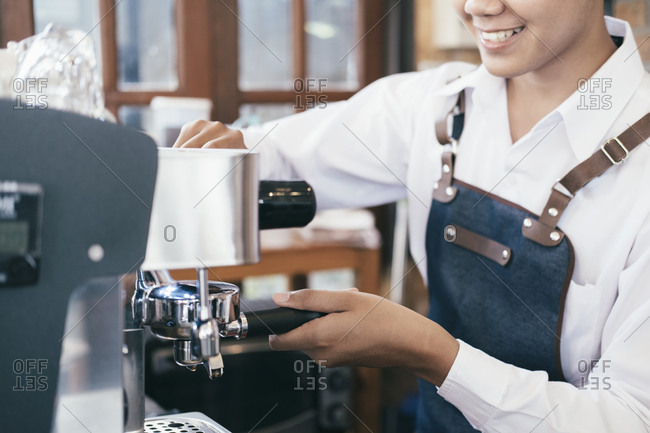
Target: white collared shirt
x,y
380,146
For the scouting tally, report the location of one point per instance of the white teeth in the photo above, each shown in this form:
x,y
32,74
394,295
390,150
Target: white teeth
x,y
501,36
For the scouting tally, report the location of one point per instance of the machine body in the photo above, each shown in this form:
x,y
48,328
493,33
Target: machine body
x,y
63,358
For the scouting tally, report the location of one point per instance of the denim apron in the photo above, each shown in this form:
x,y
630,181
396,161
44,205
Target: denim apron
x,y
499,274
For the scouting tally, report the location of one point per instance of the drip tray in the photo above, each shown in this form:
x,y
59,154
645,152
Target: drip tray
x,y
193,422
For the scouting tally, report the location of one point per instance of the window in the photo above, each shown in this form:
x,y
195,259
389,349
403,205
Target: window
x,y
294,54
307,49
253,58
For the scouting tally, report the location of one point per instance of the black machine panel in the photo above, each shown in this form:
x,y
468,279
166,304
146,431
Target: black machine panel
x,y
21,210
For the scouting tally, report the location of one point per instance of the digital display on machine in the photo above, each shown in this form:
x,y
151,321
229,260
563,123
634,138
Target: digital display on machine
x,y
14,237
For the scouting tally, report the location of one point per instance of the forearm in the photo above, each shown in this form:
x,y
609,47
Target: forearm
x,y
431,351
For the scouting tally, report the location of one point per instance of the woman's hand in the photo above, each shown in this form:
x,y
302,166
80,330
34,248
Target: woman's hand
x,y
367,330
202,133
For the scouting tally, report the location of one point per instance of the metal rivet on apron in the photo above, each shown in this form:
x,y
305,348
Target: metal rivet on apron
x,y
505,254
528,223
435,185
555,236
445,168
450,233
449,191
552,212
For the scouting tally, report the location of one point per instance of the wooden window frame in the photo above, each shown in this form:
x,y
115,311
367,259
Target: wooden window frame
x,y
371,59
16,20
208,64
193,56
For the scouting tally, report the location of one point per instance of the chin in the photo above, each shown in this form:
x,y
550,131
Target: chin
x,y
503,69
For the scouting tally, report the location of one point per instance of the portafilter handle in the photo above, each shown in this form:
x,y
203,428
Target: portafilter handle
x,y
263,317
284,204
277,320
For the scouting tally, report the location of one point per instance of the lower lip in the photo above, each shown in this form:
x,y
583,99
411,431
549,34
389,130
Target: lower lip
x,y
498,46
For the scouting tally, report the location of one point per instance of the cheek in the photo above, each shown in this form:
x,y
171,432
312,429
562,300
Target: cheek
x,y
459,8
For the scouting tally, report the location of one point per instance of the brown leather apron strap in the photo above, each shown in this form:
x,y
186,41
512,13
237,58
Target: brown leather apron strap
x,y
478,244
457,113
613,152
616,150
443,190
544,230
442,131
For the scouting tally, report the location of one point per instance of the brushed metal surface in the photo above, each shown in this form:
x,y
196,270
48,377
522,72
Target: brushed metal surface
x,y
205,209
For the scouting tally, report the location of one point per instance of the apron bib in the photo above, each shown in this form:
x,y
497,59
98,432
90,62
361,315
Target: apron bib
x,y
504,299
499,274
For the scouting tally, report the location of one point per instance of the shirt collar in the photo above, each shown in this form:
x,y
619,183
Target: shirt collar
x,y
482,86
590,111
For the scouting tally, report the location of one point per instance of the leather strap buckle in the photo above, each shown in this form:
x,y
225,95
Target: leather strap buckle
x,y
609,155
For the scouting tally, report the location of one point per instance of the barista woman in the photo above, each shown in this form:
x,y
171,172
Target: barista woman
x,y
540,289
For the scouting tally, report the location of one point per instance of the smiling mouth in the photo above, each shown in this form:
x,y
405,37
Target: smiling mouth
x,y
500,36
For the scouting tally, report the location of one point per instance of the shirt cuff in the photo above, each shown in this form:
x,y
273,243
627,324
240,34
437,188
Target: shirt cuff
x,y
475,384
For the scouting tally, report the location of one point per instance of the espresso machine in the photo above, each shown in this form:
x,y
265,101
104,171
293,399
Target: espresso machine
x,y
85,204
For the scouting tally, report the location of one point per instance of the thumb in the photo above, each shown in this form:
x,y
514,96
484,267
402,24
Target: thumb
x,y
324,301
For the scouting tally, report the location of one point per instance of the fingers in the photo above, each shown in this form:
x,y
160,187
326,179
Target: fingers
x,y
305,337
201,133
232,139
188,131
320,333
323,301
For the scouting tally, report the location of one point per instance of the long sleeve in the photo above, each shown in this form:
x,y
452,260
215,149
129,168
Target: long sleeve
x,y
354,153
